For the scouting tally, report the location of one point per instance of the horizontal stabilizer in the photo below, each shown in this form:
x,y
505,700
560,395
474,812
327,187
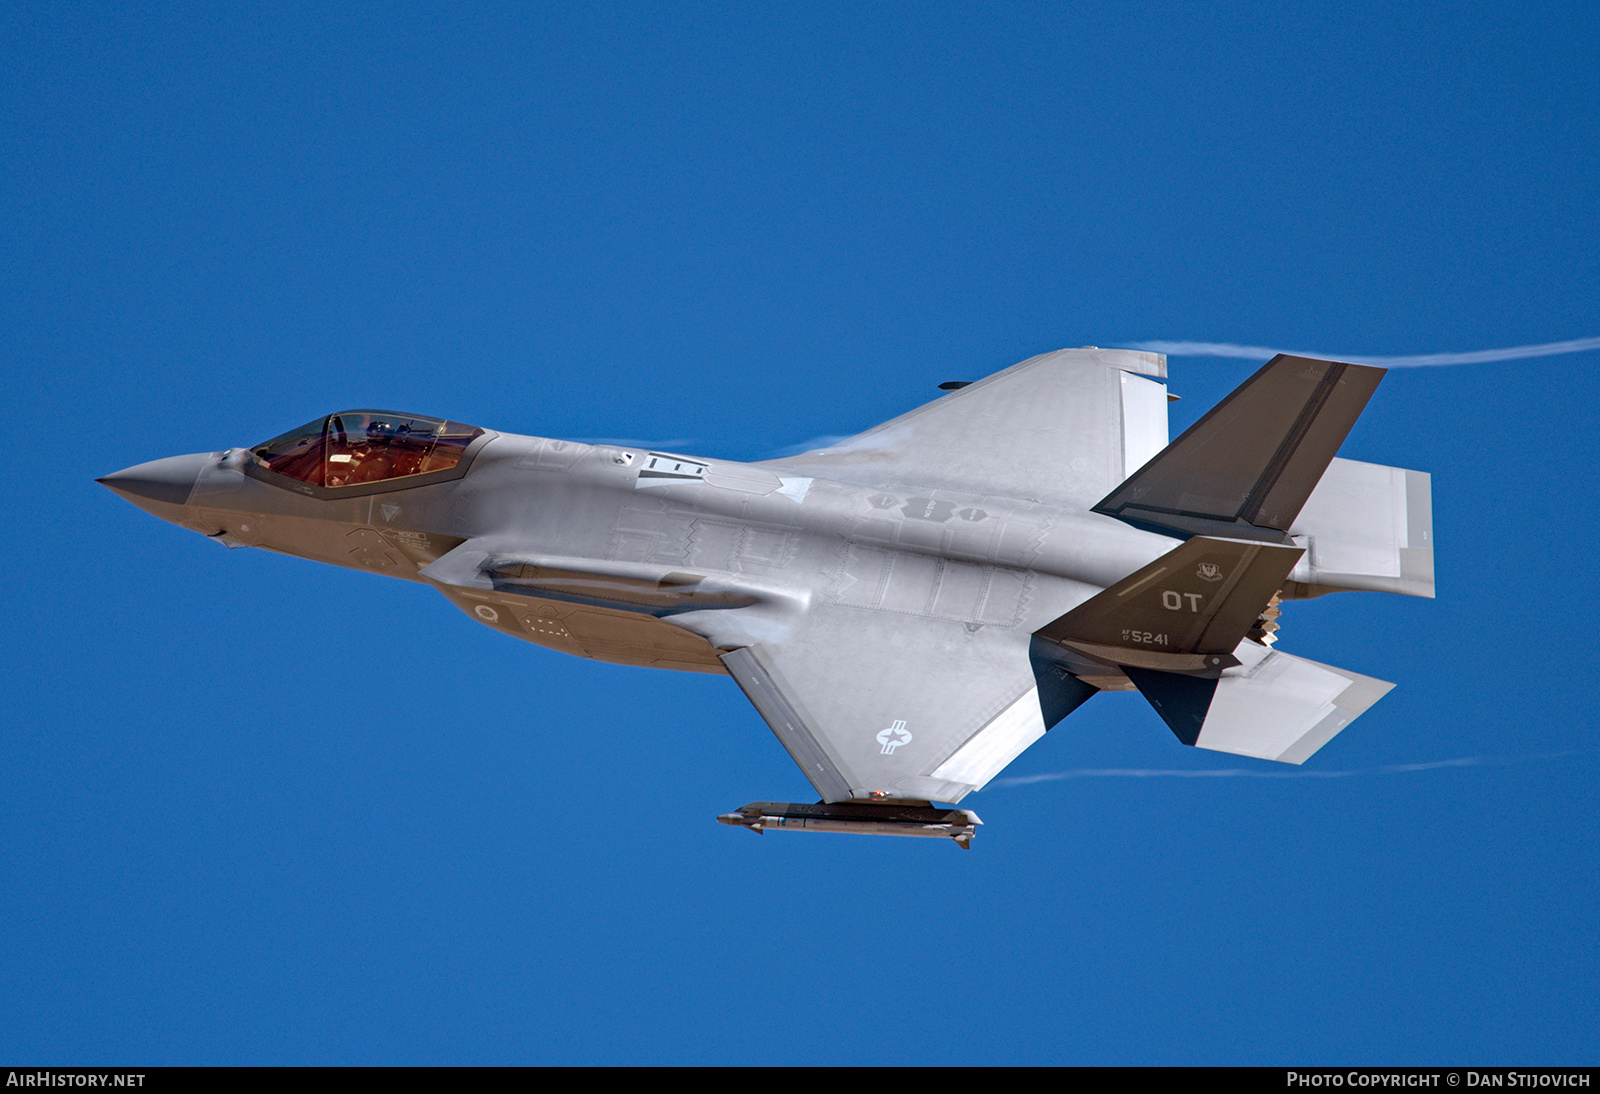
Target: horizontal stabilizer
x,y
1272,705
1367,527
1255,458
1183,613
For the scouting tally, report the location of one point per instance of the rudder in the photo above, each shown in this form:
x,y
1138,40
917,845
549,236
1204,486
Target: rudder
x,y
1248,466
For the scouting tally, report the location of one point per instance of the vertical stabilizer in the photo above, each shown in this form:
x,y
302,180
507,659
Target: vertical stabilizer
x,y
1185,612
1176,629
1249,465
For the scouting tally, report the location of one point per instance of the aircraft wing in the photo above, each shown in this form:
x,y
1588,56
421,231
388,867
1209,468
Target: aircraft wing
x,y
875,704
1067,426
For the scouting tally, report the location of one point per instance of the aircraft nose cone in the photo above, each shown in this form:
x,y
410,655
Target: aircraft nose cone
x,y
169,481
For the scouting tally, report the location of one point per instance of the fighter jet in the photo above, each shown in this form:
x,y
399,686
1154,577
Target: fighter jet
x,y
908,609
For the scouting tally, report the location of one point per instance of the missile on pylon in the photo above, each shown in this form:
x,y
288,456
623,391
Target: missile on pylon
x,y
886,819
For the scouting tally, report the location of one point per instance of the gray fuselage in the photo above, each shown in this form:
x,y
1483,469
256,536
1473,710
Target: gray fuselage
x,y
599,528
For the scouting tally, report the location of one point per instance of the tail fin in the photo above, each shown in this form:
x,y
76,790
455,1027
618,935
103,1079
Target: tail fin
x,y
1177,630
1183,613
1247,467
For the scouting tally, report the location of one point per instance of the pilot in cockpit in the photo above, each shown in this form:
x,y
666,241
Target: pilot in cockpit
x,y
361,447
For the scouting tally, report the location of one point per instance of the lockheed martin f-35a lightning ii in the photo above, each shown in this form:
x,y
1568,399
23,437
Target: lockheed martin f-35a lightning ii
x,y
907,609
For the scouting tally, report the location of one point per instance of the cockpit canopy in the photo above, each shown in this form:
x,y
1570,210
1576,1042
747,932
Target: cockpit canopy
x,y
361,447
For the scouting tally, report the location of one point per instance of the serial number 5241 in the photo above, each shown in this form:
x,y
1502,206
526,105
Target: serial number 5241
x,y
1144,638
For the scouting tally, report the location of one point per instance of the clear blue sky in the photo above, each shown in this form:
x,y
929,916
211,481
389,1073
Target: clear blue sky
x,y
229,836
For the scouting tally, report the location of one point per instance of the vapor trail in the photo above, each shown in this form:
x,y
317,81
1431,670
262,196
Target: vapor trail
x,y
1264,773
1476,357
1166,773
